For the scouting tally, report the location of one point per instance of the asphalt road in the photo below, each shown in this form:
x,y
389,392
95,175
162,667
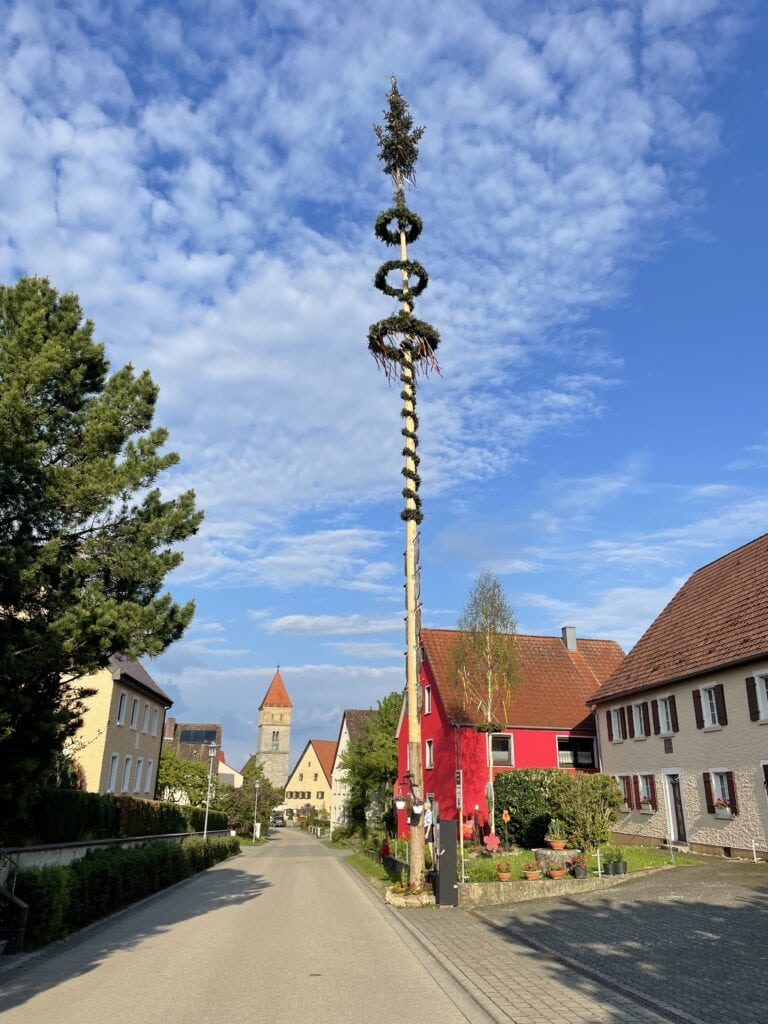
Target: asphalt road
x,y
283,933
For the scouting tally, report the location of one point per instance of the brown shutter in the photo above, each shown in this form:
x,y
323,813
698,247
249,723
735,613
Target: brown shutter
x,y
609,723
652,787
722,716
698,713
708,793
765,777
636,788
673,714
732,798
754,710
623,722
646,719
630,722
655,717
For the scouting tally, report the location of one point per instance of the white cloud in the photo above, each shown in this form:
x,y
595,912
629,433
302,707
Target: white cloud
x,y
319,625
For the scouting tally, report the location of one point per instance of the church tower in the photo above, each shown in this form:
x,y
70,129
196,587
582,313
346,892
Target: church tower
x,y
274,738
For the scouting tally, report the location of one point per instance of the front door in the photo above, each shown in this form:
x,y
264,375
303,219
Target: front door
x,y
676,802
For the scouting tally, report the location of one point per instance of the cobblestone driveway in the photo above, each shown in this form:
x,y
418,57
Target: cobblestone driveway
x,y
693,940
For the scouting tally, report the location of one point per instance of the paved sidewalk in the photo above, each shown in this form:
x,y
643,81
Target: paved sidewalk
x,y
693,940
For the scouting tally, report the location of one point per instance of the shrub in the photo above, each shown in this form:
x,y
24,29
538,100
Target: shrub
x,y
587,804
526,794
47,892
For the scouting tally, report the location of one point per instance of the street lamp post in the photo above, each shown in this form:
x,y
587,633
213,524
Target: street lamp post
x,y
211,758
255,805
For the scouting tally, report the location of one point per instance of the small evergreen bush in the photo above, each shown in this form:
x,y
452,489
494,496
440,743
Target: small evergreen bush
x,y
527,796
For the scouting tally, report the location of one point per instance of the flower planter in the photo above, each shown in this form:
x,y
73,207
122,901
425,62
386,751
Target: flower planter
x,y
579,871
504,876
619,867
418,808
400,805
722,812
556,872
608,869
556,844
532,876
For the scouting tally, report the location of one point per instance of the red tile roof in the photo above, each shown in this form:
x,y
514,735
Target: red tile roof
x,y
555,683
276,695
718,617
326,751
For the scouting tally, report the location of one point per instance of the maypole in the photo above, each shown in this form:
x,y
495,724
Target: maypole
x,y
403,345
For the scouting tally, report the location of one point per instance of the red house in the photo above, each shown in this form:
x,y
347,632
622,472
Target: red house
x,y
549,724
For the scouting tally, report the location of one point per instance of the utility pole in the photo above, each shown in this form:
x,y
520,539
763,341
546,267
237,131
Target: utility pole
x,y
211,758
402,345
255,808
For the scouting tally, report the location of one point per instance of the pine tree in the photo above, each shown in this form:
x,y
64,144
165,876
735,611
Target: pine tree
x,y
86,540
402,345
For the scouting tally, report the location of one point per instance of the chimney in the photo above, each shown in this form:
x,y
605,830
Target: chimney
x,y
569,637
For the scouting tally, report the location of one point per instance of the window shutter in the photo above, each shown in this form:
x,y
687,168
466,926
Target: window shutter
x,y
609,723
722,717
708,793
698,713
623,722
636,788
630,719
655,717
673,714
652,787
754,710
646,719
732,798
765,777
627,790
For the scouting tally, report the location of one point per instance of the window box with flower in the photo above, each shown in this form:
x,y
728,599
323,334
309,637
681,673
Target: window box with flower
x,y
722,808
646,805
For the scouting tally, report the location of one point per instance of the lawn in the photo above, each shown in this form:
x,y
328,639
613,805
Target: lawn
x,y
483,869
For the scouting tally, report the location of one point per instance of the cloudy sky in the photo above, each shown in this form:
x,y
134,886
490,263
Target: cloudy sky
x,y
593,187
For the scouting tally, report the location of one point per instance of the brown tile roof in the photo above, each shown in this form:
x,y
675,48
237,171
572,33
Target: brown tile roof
x,y
357,722
718,617
555,683
134,672
276,695
326,751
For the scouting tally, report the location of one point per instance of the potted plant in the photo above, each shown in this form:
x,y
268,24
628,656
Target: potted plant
x,y
722,808
609,860
579,865
556,836
557,871
617,863
400,802
504,871
532,871
646,805
418,807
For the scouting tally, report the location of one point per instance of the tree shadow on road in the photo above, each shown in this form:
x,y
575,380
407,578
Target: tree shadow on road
x,y
213,890
697,947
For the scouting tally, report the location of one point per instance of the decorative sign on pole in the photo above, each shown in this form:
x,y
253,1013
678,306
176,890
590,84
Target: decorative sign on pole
x,y
459,793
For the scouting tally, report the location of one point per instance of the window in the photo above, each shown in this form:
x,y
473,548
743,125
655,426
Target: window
x,y
646,793
314,777
276,739
321,794
720,793
616,721
625,782
501,749
576,751
121,704
206,737
301,776
139,771
155,720
757,698
145,719
709,707
427,700
148,776
112,781
639,715
135,713
127,773
429,754
664,716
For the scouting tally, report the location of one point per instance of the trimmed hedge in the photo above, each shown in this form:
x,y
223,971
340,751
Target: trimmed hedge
x,y
69,815
63,899
527,795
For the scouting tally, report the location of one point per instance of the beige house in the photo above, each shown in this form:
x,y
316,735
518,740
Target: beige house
x,y
119,742
309,784
353,725
683,721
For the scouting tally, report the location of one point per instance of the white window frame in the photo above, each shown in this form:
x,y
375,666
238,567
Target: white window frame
x,y
625,785
761,686
718,780
139,772
155,721
126,786
114,764
135,713
148,775
508,737
145,719
427,700
429,754
709,707
645,792
638,721
665,715
122,704
616,725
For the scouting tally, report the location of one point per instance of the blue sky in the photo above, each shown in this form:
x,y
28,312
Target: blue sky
x,y
593,187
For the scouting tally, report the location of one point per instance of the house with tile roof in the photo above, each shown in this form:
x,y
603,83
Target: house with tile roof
x,y
309,783
546,724
683,721
353,726
118,744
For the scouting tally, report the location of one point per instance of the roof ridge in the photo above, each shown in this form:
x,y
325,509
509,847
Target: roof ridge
x,y
727,554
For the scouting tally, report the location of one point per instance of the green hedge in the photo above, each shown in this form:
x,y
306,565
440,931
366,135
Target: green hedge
x,y
63,899
69,815
527,796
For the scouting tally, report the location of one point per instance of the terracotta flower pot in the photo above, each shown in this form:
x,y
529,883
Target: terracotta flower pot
x,y
504,876
532,876
556,844
556,872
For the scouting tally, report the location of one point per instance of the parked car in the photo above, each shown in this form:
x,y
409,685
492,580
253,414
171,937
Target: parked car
x,y
278,821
